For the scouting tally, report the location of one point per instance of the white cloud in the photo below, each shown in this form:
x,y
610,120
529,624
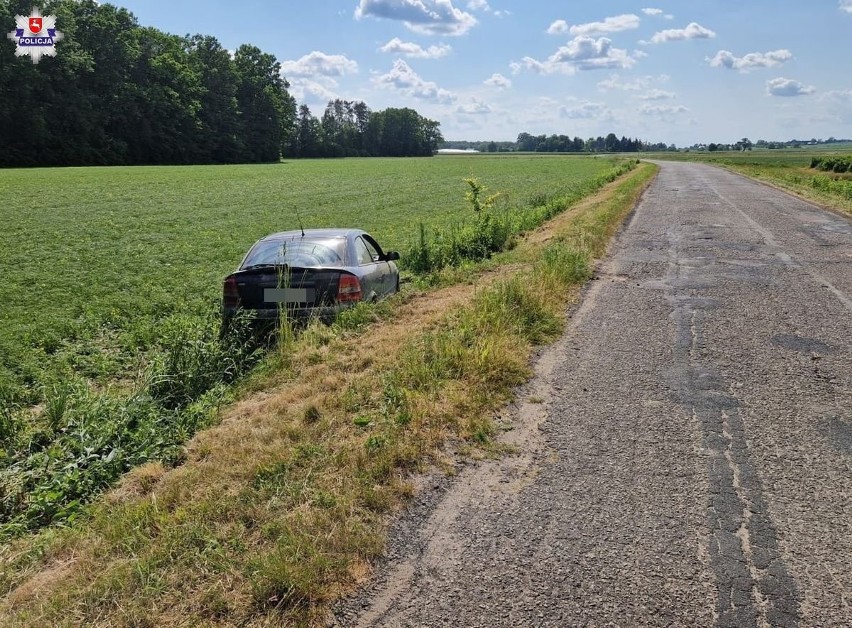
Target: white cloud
x,y
307,91
499,81
639,83
312,78
406,80
558,28
787,87
319,63
585,110
692,31
752,60
581,53
846,6
844,95
658,13
410,49
662,111
657,94
609,25
430,17
474,108
478,5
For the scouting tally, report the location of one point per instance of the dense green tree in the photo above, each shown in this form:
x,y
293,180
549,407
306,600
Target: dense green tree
x,y
158,115
120,93
343,123
262,102
306,141
526,143
611,143
402,133
221,129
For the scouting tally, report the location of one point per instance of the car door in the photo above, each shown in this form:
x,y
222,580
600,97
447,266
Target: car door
x,y
385,268
371,271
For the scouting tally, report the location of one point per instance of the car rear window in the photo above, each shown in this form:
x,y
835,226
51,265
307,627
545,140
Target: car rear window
x,y
297,252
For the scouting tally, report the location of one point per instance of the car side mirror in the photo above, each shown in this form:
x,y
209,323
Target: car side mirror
x,y
391,256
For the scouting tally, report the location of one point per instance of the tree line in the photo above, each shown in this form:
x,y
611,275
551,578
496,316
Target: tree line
x,y
121,93
350,129
563,144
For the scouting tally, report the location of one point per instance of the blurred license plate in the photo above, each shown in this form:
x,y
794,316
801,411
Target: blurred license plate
x,y
285,295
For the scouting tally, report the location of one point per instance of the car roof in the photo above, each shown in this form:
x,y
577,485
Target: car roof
x,y
315,233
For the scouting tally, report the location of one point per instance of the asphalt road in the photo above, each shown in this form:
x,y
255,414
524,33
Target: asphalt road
x,y
687,445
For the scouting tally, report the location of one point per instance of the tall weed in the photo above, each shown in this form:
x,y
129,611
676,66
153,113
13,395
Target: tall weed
x,y
494,227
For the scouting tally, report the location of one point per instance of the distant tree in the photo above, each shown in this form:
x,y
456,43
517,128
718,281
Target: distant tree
x,y
527,143
344,124
306,140
402,133
744,144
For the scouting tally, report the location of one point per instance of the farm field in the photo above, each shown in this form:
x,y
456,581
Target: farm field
x,y
109,350
787,168
98,256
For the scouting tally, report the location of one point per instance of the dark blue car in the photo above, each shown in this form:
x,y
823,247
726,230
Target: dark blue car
x,y
310,273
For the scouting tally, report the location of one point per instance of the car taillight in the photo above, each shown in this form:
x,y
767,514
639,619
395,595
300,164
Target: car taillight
x,y
230,293
349,289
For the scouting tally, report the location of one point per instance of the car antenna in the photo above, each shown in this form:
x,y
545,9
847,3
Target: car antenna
x,y
299,218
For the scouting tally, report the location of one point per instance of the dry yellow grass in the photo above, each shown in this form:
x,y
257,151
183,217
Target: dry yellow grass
x,y
282,507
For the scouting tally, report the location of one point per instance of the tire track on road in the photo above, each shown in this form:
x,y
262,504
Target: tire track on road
x,y
754,585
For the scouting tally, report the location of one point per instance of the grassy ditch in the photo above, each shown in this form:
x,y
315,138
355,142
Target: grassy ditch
x,y
280,509
825,188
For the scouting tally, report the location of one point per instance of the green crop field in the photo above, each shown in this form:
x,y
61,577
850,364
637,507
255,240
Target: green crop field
x,y
98,255
109,353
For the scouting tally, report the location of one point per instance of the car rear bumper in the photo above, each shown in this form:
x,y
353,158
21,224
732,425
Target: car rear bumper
x,y
326,314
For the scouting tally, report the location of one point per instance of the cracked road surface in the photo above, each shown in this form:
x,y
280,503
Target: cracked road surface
x,y
691,462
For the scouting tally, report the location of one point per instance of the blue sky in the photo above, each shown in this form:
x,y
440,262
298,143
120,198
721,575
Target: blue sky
x,y
681,72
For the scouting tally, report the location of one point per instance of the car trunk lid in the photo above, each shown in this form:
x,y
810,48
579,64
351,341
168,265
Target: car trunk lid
x,y
272,286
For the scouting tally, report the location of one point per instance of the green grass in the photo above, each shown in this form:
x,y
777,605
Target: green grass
x,y
96,258
110,319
